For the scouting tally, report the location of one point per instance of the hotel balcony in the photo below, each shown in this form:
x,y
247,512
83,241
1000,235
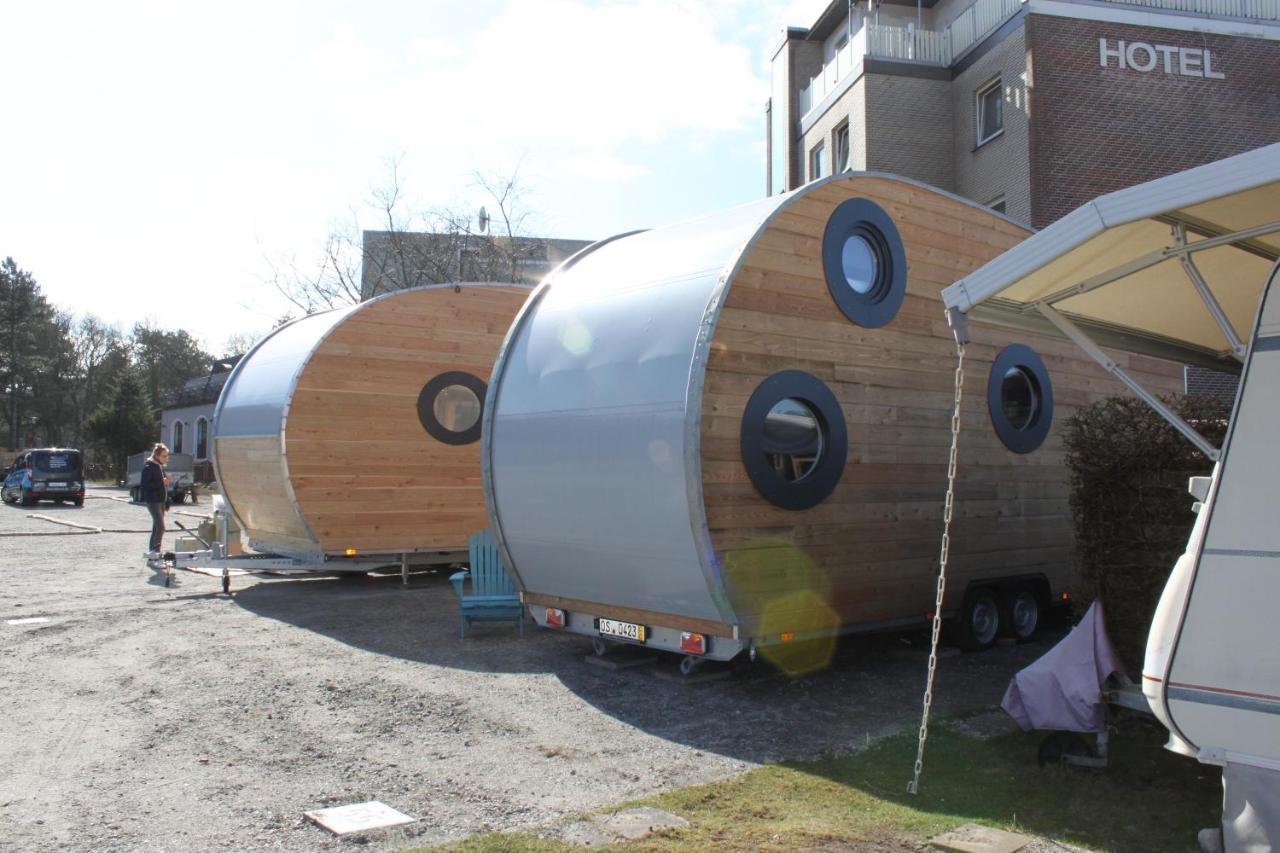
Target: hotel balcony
x,y
940,48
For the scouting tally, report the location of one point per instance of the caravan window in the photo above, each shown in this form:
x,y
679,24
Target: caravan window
x,y
1020,398
450,407
793,440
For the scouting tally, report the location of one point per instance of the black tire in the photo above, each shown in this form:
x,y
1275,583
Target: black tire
x,y
79,502
1022,613
979,623
57,501
27,498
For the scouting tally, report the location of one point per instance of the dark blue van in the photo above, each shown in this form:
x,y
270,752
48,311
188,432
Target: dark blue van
x,y
49,474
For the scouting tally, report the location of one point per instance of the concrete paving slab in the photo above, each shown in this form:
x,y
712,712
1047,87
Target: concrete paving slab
x,y
975,838
634,824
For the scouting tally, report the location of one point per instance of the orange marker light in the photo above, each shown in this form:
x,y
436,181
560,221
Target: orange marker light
x,y
351,552
693,644
787,636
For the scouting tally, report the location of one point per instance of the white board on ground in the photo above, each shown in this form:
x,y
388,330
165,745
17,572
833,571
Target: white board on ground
x,y
30,620
358,817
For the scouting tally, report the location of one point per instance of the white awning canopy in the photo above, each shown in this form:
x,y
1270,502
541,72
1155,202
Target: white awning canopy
x,y
1173,267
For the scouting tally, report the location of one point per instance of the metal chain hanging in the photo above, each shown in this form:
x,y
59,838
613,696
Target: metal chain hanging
x,y
914,785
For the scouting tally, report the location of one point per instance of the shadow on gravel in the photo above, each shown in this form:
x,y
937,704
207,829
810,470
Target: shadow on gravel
x,y
874,683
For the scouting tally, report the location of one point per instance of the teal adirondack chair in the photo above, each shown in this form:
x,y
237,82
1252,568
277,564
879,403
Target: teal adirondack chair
x,y
492,597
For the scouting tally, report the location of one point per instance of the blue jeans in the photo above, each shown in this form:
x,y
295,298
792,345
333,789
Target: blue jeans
x,y
157,525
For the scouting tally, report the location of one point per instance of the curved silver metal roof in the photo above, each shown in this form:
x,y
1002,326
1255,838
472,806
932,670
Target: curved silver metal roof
x,y
254,400
590,457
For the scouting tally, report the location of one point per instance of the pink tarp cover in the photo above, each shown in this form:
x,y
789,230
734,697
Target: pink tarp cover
x,y
1062,691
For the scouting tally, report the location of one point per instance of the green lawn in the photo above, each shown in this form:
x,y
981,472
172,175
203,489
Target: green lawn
x,y
1147,799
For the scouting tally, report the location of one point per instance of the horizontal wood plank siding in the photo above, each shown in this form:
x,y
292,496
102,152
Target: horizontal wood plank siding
x,y
868,552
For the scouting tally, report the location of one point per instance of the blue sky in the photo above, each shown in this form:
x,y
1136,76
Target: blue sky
x,y
157,157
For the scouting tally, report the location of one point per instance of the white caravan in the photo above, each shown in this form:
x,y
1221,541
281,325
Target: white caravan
x,y
1186,267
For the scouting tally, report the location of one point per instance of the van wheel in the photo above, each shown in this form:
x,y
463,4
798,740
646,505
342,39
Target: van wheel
x,y
79,501
979,620
1021,615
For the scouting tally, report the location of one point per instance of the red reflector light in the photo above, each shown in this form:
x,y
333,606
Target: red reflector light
x,y
555,617
1066,596
693,644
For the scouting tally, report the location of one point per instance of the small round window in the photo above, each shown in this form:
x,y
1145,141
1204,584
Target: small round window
x,y
457,408
859,264
793,440
1020,398
450,405
864,262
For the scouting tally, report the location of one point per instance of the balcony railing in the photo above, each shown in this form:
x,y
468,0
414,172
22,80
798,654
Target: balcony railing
x,y
941,47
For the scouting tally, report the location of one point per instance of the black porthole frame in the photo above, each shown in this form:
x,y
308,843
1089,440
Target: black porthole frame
x,y
825,475
1031,436
427,402
861,217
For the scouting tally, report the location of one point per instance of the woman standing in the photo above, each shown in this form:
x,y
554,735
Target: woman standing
x,y
155,494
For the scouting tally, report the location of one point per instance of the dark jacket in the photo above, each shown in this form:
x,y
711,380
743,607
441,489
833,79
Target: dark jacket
x,y
153,483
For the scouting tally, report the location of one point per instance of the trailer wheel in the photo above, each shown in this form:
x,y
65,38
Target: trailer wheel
x,y
690,664
226,583
600,647
979,620
1021,615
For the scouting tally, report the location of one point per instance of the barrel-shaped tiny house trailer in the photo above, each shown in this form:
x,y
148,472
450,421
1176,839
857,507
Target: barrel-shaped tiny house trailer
x,y
356,431
734,431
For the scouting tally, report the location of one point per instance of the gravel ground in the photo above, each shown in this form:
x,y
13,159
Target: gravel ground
x,y
154,718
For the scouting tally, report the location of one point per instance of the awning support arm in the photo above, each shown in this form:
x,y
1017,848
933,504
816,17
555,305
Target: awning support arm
x,y
1210,301
1080,339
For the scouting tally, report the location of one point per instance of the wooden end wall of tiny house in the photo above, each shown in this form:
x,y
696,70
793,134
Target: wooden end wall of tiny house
x,y
868,553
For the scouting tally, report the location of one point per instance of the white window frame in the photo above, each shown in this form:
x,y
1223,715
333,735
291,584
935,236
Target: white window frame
x,y
979,95
177,435
196,439
818,156
835,148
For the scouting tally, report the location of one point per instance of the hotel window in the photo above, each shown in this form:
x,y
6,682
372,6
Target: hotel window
x,y
841,149
818,162
990,106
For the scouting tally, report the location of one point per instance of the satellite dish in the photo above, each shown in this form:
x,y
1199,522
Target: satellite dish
x,y
483,219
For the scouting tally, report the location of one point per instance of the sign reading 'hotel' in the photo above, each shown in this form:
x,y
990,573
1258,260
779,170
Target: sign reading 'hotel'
x,y
1146,58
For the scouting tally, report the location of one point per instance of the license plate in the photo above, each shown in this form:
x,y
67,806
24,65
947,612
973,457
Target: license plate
x,y
622,630
57,485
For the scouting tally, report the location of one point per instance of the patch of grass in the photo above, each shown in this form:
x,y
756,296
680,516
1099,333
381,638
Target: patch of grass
x,y
1147,799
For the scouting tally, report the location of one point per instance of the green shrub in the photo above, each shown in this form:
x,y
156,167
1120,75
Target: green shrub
x,y
1130,505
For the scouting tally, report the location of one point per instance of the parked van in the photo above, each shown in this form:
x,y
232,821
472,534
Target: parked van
x,y
48,474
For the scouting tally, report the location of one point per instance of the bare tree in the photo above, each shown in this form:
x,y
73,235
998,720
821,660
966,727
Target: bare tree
x,y
412,247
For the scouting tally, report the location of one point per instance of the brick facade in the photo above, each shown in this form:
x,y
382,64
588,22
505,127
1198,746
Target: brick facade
x,y
1095,130
908,124
1000,167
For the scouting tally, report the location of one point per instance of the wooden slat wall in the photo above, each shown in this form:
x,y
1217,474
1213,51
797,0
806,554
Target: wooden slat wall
x,y
868,552
364,470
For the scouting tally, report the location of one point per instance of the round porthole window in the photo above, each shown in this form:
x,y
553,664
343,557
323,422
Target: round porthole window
x,y
793,440
1020,398
450,405
864,262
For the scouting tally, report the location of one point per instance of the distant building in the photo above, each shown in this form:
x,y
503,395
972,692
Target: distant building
x,y
394,260
1032,107
186,421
